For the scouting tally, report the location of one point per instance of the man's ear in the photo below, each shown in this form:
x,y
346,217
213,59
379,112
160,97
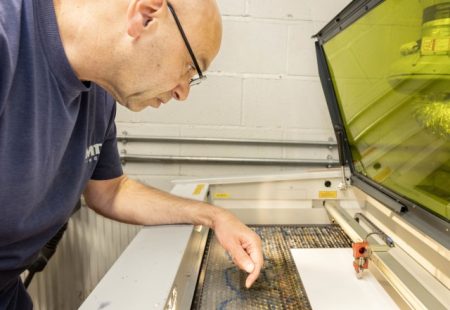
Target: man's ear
x,y
141,15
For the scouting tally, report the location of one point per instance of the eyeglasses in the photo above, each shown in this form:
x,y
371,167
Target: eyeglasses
x,y
197,79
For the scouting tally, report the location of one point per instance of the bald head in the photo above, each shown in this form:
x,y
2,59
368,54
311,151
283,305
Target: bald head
x,y
134,49
201,20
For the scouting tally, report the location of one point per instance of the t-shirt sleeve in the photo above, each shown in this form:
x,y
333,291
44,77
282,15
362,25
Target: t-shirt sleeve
x,y
109,165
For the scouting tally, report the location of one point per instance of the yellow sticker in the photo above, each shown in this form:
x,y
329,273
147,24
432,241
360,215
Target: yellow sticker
x,y
433,46
327,194
427,46
198,189
222,195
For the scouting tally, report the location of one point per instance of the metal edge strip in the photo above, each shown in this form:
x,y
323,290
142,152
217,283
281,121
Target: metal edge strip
x,y
183,289
345,155
350,14
399,204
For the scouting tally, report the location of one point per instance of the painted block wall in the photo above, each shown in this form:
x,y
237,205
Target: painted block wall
x,y
263,85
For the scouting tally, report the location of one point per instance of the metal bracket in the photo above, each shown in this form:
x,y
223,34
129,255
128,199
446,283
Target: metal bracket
x,y
376,231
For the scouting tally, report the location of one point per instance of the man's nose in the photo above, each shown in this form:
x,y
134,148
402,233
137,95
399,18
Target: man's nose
x,y
181,91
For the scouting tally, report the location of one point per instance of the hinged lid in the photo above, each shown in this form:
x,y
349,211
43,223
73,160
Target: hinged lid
x,y
385,71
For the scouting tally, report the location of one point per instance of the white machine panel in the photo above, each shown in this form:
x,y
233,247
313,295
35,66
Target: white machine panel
x,y
330,281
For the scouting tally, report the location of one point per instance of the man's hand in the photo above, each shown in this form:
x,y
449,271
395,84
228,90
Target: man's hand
x,y
241,243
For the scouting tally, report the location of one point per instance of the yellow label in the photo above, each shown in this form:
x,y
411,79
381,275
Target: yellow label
x,y
327,194
442,45
431,46
221,195
427,46
198,189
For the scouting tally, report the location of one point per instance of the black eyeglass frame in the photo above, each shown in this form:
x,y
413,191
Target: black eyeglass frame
x,y
201,76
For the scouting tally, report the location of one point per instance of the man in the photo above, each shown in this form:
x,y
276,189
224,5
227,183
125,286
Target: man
x,y
56,59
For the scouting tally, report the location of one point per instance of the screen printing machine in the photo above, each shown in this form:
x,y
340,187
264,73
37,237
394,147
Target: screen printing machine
x,y
374,234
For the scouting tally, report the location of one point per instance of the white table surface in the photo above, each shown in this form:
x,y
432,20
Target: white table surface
x,y
331,283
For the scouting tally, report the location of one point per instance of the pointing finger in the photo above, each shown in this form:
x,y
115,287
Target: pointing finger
x,y
257,258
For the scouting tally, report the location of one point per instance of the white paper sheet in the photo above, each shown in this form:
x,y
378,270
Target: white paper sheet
x,y
331,283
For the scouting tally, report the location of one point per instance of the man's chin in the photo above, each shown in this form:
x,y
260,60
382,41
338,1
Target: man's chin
x,y
137,107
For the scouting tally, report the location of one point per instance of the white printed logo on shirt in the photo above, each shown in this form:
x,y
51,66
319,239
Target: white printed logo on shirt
x,y
92,152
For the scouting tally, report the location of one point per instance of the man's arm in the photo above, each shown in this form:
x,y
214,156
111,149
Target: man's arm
x,y
128,201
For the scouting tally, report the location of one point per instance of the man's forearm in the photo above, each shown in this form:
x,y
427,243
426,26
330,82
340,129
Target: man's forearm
x,y
132,202
128,201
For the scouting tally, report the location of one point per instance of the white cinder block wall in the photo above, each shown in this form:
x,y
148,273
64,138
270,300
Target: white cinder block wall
x,y
263,85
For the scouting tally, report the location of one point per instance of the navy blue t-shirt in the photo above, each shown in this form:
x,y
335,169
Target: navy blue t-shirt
x,y
56,133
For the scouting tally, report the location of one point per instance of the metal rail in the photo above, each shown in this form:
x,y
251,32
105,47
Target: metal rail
x,y
329,163
125,138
